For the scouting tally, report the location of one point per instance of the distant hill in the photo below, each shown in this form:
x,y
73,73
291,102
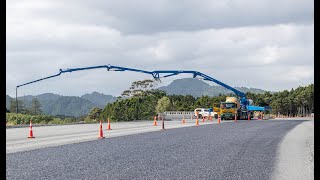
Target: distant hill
x,y
55,104
197,88
68,106
98,99
8,98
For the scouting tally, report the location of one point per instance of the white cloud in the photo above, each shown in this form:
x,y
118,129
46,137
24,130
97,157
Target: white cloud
x,y
272,50
297,73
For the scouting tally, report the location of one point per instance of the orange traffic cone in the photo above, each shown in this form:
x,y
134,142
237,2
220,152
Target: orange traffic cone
x,y
202,118
183,121
210,118
100,135
30,131
197,122
109,127
155,121
219,119
235,118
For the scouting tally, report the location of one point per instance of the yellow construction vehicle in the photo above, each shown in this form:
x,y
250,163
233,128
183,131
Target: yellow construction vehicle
x,y
216,109
229,108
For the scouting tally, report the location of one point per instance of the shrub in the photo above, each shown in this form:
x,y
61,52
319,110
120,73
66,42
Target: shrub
x,y
89,120
13,118
68,120
56,121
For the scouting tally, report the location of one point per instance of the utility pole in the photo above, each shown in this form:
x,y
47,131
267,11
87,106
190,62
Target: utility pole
x,y
17,99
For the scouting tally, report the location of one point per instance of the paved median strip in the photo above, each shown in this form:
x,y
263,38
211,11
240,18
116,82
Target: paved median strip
x,y
51,136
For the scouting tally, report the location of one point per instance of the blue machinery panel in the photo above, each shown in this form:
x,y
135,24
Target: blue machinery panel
x,y
155,74
255,108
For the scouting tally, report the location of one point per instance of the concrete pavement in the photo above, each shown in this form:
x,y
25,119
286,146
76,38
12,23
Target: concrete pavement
x,y
49,136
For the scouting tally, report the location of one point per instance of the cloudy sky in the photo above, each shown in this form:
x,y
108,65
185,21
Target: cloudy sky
x,y
267,44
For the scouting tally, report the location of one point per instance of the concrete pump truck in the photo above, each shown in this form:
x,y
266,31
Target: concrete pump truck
x,y
232,107
226,109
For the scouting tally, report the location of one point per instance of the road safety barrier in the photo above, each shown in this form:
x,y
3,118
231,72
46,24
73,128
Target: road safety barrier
x,y
109,126
30,131
176,115
100,135
155,121
183,120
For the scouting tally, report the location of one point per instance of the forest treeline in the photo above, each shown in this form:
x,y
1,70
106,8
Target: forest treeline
x,y
140,101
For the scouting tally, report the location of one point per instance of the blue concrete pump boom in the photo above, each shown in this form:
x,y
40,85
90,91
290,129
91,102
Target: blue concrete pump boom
x,y
155,74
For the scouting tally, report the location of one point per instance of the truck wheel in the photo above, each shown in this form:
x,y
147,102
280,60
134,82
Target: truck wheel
x,y
216,116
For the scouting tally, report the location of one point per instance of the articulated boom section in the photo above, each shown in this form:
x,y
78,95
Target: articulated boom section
x,y
155,74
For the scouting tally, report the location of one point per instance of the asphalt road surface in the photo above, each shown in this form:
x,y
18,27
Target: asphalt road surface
x,y
49,136
241,150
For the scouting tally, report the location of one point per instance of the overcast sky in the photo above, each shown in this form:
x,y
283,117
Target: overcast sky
x,y
267,44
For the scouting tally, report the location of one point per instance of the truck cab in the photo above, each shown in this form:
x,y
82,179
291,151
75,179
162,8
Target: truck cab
x,y
228,110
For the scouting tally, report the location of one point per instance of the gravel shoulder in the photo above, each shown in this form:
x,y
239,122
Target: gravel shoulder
x,y
296,154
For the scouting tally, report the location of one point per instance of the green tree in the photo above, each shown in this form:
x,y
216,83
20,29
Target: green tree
x,y
142,102
35,107
140,88
94,113
162,104
13,106
21,107
204,102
